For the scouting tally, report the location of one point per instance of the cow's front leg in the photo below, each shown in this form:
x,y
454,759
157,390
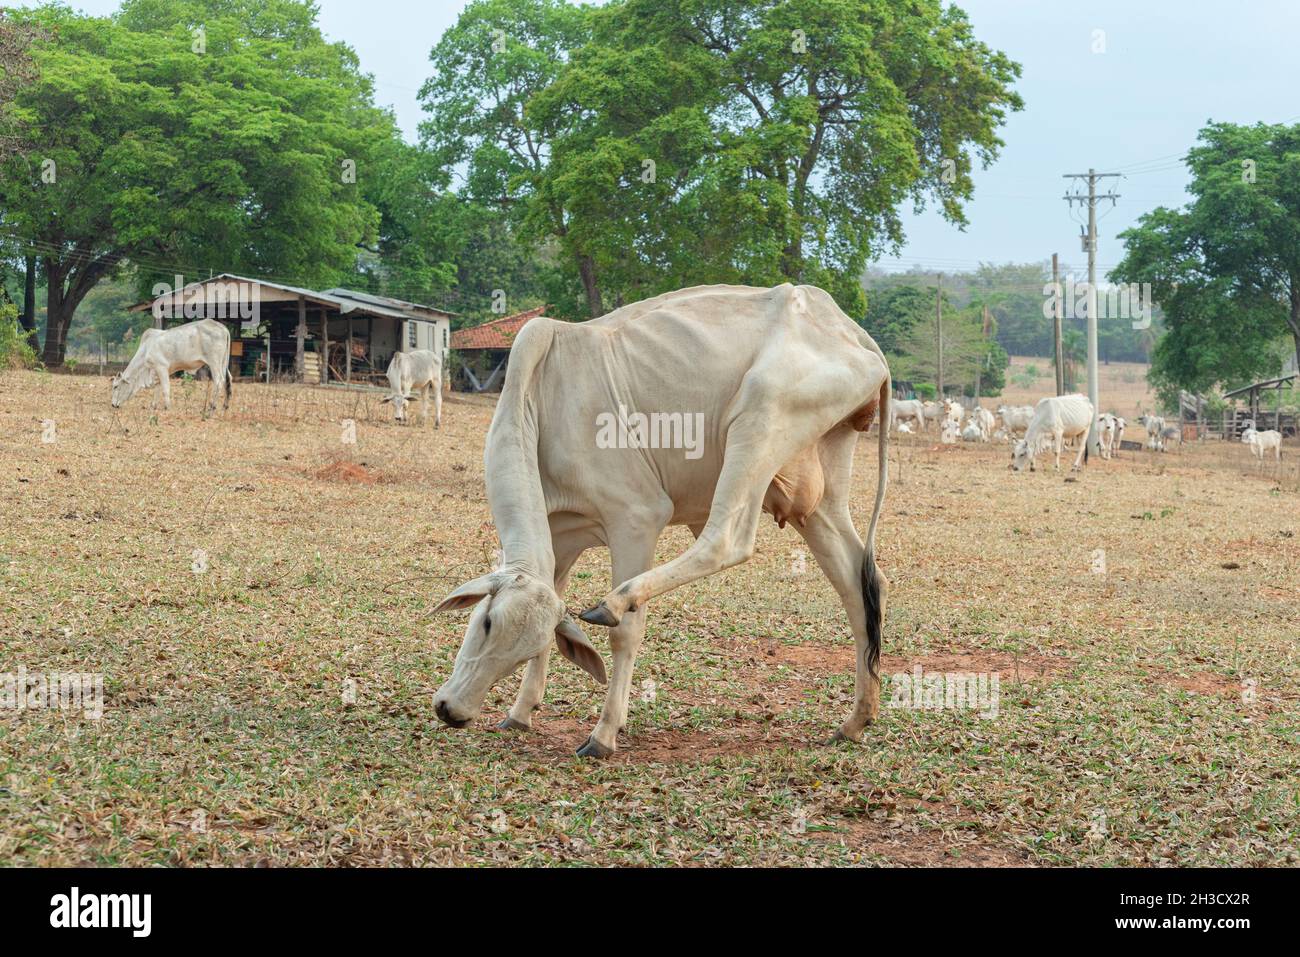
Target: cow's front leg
x,y
567,548
631,554
531,692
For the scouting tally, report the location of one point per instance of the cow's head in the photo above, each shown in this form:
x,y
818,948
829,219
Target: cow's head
x,y
516,617
399,404
1022,454
125,386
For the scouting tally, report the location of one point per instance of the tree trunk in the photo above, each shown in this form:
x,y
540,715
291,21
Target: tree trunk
x,y
587,270
57,317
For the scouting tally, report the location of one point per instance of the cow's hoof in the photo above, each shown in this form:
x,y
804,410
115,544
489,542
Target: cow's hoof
x,y
839,736
510,724
599,615
594,749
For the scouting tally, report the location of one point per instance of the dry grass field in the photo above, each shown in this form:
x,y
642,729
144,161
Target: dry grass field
x,y
256,593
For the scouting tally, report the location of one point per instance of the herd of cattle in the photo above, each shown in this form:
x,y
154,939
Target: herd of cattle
x,y
1053,423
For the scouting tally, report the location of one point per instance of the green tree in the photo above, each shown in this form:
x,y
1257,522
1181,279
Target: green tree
x,y
718,140
218,134
893,312
1225,268
486,69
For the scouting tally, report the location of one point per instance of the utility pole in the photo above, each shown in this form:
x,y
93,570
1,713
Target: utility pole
x,y
979,364
1090,246
938,330
1057,307
28,321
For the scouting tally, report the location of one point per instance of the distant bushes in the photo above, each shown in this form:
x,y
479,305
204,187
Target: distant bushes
x,y
15,353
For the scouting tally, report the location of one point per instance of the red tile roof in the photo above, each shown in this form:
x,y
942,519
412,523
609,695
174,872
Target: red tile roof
x,y
497,334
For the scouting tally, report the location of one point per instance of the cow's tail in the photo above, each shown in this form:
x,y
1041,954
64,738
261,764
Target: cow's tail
x,y
873,582
229,388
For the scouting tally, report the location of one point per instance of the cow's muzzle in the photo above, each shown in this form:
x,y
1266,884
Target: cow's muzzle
x,y
447,716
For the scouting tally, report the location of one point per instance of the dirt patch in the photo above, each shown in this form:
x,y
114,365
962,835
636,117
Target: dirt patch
x,y
342,470
905,843
556,739
820,658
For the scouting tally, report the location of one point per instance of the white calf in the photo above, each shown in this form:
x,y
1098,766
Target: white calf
x,y
408,372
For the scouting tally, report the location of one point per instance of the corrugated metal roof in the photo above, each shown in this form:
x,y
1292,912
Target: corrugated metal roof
x,y
345,301
497,334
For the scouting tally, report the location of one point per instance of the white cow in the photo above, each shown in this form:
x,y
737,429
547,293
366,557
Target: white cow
x,y
933,411
417,370
1056,418
185,348
954,412
907,410
1120,424
1016,418
1155,425
1261,443
972,433
746,401
1106,437
984,421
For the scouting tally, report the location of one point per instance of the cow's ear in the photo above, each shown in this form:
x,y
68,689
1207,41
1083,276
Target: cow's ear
x,y
470,593
387,398
575,646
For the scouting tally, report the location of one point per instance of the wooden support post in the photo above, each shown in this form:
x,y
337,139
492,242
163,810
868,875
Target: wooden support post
x,y
299,362
347,374
370,343
325,347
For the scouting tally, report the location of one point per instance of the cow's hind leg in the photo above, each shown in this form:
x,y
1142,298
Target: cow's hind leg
x,y
840,553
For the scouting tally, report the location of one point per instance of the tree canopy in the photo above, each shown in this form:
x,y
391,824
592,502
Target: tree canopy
x,y
1225,268
212,133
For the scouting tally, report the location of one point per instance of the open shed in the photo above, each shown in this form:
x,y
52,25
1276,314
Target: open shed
x,y
1286,424
276,330
484,350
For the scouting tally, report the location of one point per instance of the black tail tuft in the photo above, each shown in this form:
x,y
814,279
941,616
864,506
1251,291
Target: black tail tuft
x,y
874,605
229,387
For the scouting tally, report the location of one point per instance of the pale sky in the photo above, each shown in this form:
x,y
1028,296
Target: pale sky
x,y
1168,67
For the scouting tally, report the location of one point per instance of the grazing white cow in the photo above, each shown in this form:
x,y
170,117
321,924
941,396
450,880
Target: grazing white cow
x,y
1016,418
185,348
949,432
1155,426
1056,418
1261,443
909,410
417,370
774,385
